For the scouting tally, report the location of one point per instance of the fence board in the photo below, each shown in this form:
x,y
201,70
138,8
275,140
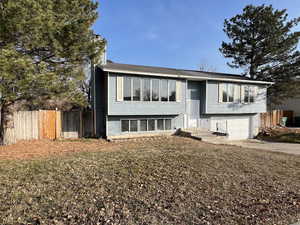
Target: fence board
x,y
273,118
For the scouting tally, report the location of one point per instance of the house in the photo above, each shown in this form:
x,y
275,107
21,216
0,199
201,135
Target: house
x,y
132,100
290,104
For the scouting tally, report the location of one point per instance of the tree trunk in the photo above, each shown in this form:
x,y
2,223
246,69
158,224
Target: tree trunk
x,y
2,124
6,121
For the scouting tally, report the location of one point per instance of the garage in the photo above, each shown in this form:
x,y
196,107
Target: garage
x,y
236,128
239,129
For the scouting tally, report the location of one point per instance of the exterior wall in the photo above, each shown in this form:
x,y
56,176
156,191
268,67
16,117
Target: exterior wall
x,y
99,101
126,108
213,106
114,124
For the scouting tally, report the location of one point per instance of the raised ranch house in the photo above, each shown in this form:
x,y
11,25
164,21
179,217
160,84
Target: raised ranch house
x,y
132,101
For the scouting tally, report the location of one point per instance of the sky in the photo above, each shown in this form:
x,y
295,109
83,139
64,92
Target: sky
x,y
173,33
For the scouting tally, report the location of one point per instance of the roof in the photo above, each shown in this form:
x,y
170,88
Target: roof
x,y
179,73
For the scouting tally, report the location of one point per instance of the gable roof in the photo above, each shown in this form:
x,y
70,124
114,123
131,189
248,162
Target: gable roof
x,y
179,73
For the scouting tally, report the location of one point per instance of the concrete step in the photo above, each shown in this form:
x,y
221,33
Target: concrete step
x,y
205,135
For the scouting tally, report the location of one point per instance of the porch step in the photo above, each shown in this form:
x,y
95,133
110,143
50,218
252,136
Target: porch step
x,y
205,135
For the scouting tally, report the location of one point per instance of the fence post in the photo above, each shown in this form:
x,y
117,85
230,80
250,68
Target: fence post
x,y
58,125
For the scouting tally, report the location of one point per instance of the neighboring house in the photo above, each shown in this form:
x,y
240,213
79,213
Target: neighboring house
x,y
131,100
291,104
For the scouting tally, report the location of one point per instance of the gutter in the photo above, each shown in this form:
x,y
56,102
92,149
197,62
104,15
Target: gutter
x,y
186,76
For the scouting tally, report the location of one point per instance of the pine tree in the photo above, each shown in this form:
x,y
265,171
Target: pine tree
x,y
262,42
43,45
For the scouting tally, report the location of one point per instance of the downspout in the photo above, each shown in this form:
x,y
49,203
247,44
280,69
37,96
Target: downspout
x,y
94,99
185,125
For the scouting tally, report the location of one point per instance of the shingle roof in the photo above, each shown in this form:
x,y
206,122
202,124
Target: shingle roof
x,y
117,67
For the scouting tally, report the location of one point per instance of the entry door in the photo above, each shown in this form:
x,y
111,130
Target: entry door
x,y
193,104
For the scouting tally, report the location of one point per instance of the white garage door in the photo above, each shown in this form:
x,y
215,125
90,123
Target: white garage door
x,y
238,129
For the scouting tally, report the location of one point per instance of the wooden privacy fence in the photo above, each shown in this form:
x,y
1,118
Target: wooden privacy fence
x,y
273,118
49,124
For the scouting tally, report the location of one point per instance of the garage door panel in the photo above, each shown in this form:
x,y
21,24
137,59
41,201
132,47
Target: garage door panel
x,y
238,129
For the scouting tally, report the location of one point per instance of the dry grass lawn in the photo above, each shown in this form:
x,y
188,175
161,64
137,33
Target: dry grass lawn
x,y
148,181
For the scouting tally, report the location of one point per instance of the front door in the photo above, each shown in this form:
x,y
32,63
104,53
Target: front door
x,y
193,104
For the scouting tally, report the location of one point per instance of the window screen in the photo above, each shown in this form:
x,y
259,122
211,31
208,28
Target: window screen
x,y
172,90
160,124
155,90
168,124
125,125
136,89
164,91
151,125
127,89
146,89
143,125
133,125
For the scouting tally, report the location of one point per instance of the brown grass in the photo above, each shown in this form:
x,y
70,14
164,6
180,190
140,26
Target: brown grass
x,y
151,181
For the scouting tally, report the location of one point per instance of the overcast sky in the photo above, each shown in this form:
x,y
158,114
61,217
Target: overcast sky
x,y
172,33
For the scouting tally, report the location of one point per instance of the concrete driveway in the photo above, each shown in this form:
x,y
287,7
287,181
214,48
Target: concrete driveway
x,y
269,146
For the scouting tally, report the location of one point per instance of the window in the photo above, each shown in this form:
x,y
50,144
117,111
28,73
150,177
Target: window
x,y
136,89
252,94
155,90
151,125
172,90
146,90
229,93
125,125
230,88
127,89
133,125
129,125
249,94
164,91
160,124
143,125
168,124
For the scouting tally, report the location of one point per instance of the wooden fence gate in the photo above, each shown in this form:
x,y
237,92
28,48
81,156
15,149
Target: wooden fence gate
x,y
48,120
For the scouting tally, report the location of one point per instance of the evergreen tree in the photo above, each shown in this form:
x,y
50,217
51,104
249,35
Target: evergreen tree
x,y
43,45
263,43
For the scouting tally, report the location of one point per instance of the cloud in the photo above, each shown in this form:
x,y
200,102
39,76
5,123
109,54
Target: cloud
x,y
151,35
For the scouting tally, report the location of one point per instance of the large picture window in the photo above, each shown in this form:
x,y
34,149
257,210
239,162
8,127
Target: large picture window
x,y
146,89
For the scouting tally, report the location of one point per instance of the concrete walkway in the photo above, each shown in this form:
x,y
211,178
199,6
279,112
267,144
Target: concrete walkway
x,y
269,146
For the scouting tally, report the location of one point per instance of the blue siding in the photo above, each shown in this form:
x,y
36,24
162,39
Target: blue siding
x,y
214,107
140,107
